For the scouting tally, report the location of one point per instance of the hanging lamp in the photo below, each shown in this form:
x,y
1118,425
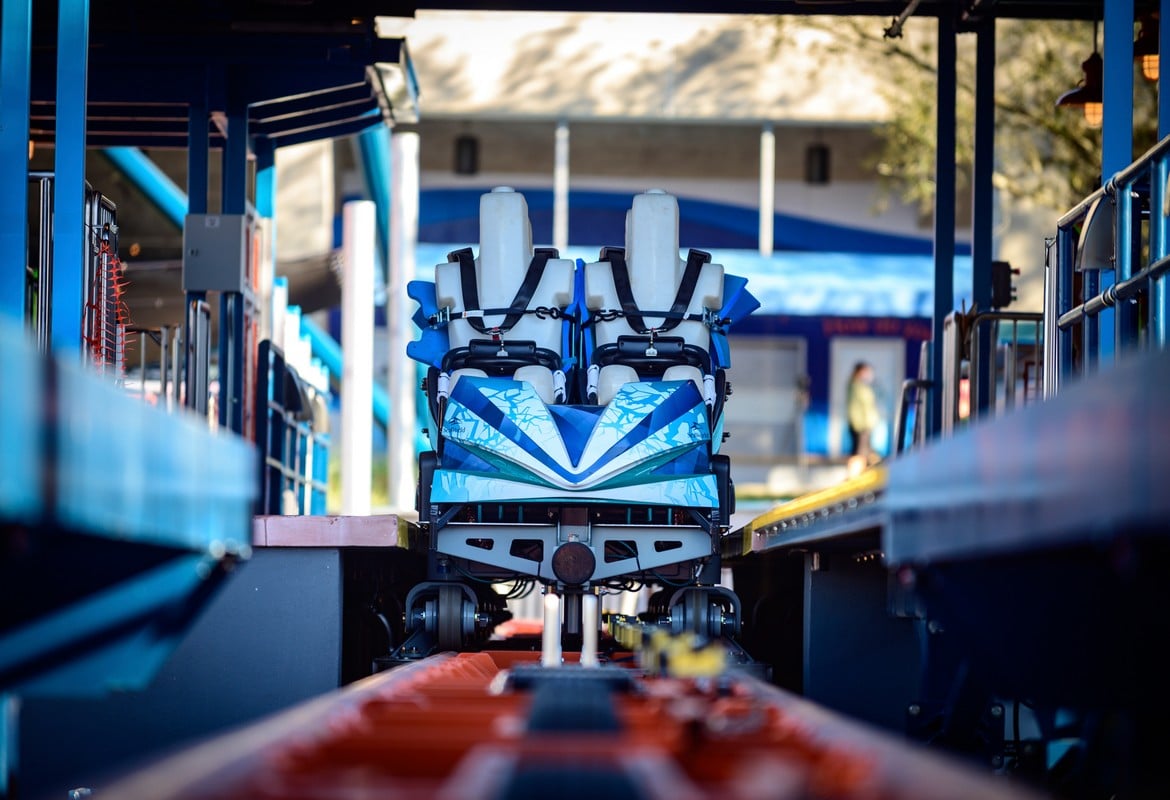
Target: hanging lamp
x,y
1087,95
1145,48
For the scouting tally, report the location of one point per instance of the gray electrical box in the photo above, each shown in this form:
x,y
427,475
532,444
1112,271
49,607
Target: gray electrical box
x,y
215,253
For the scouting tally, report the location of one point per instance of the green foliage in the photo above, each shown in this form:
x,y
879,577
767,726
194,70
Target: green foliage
x,y
1044,155
379,483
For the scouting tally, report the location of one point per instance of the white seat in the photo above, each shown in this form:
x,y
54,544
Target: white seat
x,y
505,252
656,270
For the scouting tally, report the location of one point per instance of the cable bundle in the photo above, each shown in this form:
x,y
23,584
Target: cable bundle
x,y
106,312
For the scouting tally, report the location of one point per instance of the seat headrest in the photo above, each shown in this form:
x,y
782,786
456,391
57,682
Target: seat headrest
x,y
652,237
505,234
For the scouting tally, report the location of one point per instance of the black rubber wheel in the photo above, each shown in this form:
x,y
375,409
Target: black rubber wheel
x,y
451,617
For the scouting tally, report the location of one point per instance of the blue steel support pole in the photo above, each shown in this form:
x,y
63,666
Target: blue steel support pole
x,y
1125,314
265,178
320,475
231,304
1159,247
1164,70
1093,330
266,207
1158,230
377,161
298,457
983,204
235,158
69,192
15,73
1116,153
1064,286
198,146
231,367
944,210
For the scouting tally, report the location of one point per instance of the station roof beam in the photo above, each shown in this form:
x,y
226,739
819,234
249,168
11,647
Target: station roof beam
x,y
297,86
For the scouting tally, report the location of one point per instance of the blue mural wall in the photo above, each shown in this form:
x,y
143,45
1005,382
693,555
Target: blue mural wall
x,y
599,217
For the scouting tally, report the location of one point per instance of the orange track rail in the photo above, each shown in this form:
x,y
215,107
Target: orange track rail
x,y
441,728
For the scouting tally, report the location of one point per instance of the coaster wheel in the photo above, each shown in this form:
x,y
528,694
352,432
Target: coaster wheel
x,y
450,612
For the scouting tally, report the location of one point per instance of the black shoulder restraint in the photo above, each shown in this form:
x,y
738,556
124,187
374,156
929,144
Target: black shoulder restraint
x,y
616,257
519,307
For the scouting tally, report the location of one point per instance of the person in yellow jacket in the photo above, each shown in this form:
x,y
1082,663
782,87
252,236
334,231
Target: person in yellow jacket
x,y
861,412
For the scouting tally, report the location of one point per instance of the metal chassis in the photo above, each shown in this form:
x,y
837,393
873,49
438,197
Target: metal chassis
x,y
658,546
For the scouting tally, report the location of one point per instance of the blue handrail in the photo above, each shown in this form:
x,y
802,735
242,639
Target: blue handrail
x,y
159,189
172,201
1103,234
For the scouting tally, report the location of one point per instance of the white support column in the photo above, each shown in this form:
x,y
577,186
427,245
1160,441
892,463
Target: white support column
x,y
359,241
590,624
550,640
767,187
401,376
561,187
278,309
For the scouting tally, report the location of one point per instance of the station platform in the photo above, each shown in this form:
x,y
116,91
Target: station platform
x,y
1008,571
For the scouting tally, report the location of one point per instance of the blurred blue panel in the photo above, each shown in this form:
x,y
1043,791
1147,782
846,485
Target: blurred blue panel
x,y
113,659
1085,467
120,475
21,461
121,469
131,471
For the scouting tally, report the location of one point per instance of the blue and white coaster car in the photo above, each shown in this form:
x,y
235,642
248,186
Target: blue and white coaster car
x,y
576,409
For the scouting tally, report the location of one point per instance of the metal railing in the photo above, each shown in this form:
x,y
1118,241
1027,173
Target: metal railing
x,y
1111,253
1014,370
291,434
39,292
911,399
104,314
167,365
198,355
995,354
992,363
911,408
